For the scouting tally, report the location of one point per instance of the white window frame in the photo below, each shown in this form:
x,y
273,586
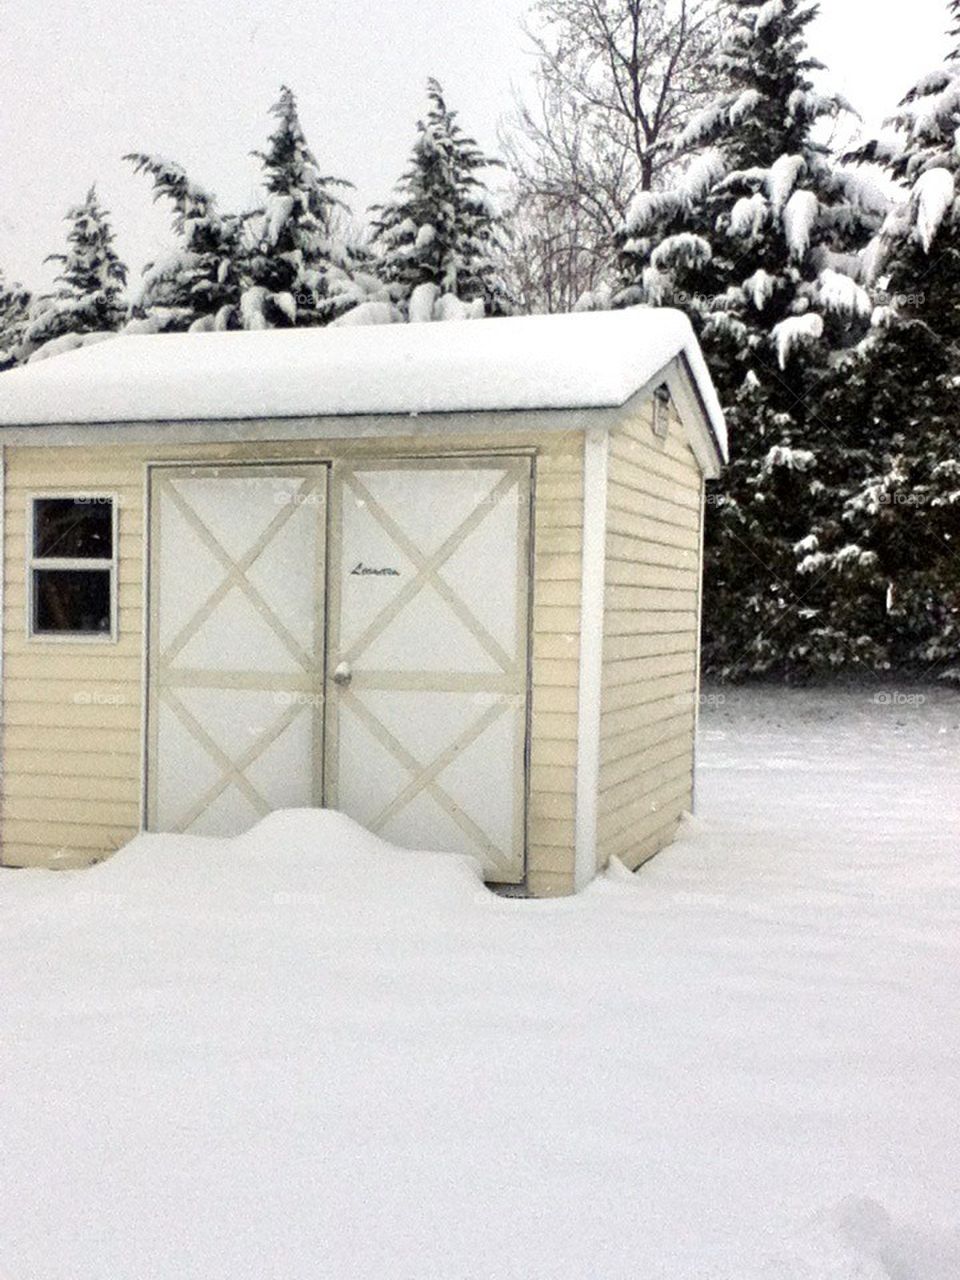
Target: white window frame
x,y
111,565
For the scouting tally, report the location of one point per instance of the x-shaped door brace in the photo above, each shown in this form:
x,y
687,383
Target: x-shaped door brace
x,y
235,572
427,573
235,575
424,776
427,567
233,771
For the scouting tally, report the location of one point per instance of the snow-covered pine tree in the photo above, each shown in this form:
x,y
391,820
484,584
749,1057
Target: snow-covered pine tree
x,y
440,238
757,243
88,297
14,316
898,540
298,269
198,285
917,255
896,543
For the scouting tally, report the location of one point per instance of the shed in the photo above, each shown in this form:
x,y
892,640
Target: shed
x,y
443,577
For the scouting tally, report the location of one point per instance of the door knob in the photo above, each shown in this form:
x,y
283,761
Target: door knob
x,y
342,675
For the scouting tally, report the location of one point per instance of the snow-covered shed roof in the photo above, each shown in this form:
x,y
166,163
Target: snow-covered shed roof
x,y
590,360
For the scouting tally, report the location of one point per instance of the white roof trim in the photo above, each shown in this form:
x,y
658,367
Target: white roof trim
x,y
686,396
586,361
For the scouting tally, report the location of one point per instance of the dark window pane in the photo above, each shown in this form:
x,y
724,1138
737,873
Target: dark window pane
x,y
71,601
73,528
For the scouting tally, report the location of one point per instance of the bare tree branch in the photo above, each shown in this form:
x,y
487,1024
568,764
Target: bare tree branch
x,y
615,83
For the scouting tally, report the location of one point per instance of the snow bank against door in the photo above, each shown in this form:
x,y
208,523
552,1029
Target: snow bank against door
x,y
296,857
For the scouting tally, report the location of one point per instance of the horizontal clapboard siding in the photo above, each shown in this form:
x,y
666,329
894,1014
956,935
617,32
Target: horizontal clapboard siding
x,y
651,619
555,644
72,721
72,711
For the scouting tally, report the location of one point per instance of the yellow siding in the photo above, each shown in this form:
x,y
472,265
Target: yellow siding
x,y
555,646
72,715
651,625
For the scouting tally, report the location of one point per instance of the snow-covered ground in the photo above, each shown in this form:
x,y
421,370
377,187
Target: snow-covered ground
x,y
303,1055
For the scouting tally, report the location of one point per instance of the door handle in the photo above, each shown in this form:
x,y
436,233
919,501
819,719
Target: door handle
x,y
342,675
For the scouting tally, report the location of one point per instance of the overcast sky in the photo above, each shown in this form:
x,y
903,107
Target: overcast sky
x,y
83,81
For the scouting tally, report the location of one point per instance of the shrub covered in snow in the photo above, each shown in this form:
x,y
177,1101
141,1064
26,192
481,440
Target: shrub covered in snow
x,y
442,228
286,263
196,286
14,316
89,287
296,268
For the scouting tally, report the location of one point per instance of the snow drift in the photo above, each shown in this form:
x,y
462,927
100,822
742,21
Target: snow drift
x,y
306,1054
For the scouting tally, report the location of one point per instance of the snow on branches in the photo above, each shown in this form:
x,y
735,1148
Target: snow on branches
x,y
442,227
297,268
89,286
932,197
763,222
922,152
761,246
14,317
794,331
197,286
800,215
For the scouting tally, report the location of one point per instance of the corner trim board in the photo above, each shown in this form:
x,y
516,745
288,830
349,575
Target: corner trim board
x,y
3,643
698,684
595,466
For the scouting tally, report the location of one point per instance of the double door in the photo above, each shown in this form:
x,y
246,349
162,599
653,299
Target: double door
x,y
350,636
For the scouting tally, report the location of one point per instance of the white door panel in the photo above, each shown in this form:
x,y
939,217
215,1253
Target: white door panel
x,y
429,594
426,634
236,645
426,742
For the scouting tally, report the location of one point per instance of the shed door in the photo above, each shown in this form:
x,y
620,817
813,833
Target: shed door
x,y
428,654
235,703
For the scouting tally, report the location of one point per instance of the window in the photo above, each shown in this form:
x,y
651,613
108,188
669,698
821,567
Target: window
x,y
72,569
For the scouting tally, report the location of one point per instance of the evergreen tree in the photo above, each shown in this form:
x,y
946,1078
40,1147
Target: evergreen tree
x,y
439,238
758,244
14,316
895,546
917,255
297,269
898,540
198,286
88,296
